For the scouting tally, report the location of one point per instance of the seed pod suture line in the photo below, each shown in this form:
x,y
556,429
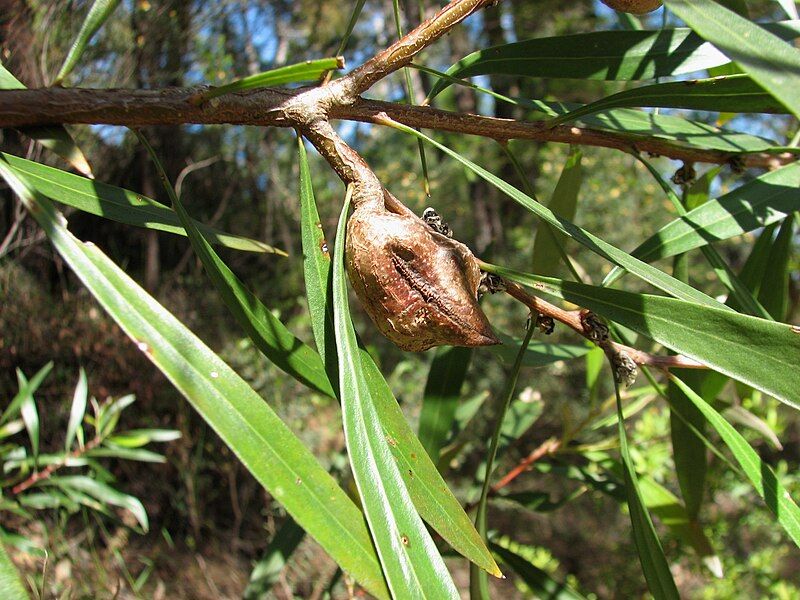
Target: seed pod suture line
x,y
419,287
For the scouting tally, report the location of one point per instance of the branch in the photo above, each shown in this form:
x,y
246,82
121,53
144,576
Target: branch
x,y
587,325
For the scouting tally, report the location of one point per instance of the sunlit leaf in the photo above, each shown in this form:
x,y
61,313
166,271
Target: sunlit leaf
x,y
411,562
263,443
78,409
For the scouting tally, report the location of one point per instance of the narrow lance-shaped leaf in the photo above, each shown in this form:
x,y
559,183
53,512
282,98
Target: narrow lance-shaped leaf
x,y
411,562
758,203
735,94
11,586
54,137
97,15
102,492
619,55
563,202
763,478
30,415
649,274
30,387
770,61
269,335
440,400
77,410
429,492
539,581
774,292
263,443
651,555
478,581
760,353
304,71
118,204
269,567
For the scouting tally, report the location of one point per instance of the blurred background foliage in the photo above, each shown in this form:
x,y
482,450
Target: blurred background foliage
x,y
209,519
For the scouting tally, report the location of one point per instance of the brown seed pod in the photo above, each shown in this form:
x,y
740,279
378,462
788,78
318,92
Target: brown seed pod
x,y
418,286
636,7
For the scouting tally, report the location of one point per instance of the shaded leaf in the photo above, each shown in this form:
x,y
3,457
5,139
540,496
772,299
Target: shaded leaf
x,y
11,586
441,397
774,292
538,354
102,492
268,568
650,274
651,555
27,389
771,62
563,203
735,94
609,55
739,414
540,582
763,478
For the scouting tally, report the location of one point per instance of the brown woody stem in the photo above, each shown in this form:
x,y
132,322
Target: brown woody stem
x,y
50,469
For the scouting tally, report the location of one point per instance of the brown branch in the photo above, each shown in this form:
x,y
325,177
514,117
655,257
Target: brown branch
x,y
546,448
581,322
50,469
403,51
268,107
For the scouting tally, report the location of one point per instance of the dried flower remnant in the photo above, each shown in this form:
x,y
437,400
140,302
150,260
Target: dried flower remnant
x,y
419,286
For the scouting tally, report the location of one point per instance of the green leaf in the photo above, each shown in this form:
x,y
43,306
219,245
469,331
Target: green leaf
x,y
758,203
688,451
118,204
263,443
760,353
135,438
53,137
441,397
538,354
137,454
540,582
411,563
28,389
763,478
429,492
269,335
478,582
30,416
317,269
11,586
563,203
102,492
735,94
609,55
97,15
739,414
771,62
304,71
266,571
774,294
646,272
77,410
359,4
651,555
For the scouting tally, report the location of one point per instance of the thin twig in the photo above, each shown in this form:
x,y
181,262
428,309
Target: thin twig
x,y
546,448
50,469
577,321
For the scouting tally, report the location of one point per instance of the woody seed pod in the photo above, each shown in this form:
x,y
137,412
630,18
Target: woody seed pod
x,y
636,7
418,286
